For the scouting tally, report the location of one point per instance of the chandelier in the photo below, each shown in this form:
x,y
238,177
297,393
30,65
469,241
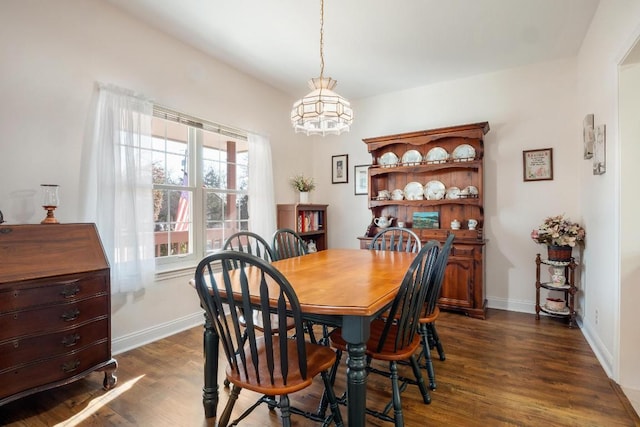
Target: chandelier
x,y
322,111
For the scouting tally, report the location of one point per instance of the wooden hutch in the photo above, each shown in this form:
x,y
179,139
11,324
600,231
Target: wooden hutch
x,y
453,158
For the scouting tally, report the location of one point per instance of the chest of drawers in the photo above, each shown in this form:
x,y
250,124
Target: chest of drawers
x,y
55,308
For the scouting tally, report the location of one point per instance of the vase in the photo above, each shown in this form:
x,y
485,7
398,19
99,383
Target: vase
x,y
304,197
559,253
557,276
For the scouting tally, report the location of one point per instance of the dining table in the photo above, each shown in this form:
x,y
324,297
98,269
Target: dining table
x,y
347,288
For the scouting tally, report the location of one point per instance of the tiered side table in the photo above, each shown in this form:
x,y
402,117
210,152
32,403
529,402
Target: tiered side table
x,y
568,287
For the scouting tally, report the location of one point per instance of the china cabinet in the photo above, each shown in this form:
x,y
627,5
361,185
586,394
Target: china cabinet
x,y
440,177
55,308
308,220
561,279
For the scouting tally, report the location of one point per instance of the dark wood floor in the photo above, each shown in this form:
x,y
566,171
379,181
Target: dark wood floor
x,y
507,370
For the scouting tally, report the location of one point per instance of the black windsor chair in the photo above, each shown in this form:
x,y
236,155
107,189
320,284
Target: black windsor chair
x,y
430,312
271,363
397,338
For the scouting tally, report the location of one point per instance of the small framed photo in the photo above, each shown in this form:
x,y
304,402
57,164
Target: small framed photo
x,y
340,169
361,179
537,165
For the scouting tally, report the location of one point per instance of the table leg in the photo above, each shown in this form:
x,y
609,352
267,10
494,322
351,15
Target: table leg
x,y
210,389
355,330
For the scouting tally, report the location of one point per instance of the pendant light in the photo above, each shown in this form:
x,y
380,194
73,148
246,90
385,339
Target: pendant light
x,y
322,111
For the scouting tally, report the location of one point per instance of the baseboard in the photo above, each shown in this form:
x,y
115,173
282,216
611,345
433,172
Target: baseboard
x,y
604,357
627,397
149,335
511,305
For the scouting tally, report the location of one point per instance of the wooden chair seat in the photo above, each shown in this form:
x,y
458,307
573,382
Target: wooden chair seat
x,y
388,352
319,358
430,317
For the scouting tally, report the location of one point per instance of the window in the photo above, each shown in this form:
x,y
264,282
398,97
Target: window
x,y
200,186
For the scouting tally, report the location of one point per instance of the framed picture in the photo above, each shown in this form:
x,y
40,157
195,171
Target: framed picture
x,y
360,179
426,220
588,136
599,150
340,169
537,165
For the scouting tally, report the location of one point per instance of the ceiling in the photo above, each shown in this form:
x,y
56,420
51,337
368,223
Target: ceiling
x,y
371,47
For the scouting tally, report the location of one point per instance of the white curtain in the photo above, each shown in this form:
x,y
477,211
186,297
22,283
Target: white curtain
x,y
262,208
118,181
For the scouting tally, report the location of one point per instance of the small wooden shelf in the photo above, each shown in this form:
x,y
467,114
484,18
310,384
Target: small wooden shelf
x,y
307,219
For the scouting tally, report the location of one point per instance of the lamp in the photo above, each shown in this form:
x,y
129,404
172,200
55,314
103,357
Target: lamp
x,y
50,201
322,111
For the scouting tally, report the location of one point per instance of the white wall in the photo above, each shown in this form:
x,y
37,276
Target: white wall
x,y
52,53
527,108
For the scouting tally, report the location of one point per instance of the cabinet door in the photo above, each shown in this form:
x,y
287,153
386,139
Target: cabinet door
x,y
457,289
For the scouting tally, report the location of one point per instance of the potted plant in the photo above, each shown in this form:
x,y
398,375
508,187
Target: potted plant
x,y
303,185
560,234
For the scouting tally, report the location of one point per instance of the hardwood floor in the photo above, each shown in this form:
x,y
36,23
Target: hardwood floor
x,y
507,370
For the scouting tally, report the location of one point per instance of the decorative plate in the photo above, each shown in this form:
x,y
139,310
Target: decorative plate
x,y
464,152
437,155
414,191
412,157
434,190
453,193
471,190
388,159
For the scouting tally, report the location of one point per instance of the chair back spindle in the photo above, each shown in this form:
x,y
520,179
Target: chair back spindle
x,y
287,244
396,239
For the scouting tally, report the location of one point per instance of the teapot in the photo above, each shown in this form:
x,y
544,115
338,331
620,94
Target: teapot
x,y
382,222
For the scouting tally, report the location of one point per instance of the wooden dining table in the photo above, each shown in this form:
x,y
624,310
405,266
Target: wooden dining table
x,y
341,287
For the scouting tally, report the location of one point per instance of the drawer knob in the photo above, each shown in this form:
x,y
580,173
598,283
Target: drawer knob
x,y
70,291
70,366
71,315
70,340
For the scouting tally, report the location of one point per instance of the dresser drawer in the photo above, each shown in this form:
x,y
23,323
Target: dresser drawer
x,y
19,351
52,318
49,292
53,370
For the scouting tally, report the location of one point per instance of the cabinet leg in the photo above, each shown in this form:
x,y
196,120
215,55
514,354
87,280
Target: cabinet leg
x,y
110,380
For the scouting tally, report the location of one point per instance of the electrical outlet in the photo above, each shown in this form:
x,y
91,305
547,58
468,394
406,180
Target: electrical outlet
x,y
596,319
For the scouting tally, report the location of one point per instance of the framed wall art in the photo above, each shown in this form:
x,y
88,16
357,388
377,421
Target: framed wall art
x,y
537,165
360,179
599,150
340,169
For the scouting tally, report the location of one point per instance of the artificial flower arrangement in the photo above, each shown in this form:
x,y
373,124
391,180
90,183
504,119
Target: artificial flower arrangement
x,y
302,184
558,231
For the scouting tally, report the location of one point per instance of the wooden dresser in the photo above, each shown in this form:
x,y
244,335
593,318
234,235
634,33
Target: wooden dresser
x,y
55,308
